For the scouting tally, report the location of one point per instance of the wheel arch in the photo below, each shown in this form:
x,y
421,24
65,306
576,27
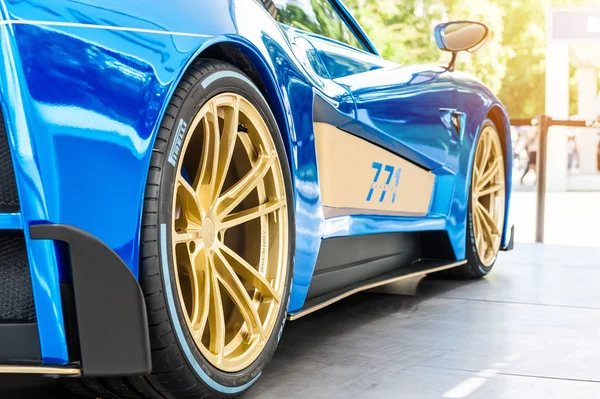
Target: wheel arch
x,y
498,115
251,62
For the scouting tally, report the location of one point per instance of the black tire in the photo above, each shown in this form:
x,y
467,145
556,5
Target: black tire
x,y
474,268
179,370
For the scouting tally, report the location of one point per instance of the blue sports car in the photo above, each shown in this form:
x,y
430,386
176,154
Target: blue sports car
x,y
178,178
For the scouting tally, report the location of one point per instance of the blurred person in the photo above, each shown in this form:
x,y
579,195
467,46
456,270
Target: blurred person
x,y
573,153
531,147
516,148
598,157
521,149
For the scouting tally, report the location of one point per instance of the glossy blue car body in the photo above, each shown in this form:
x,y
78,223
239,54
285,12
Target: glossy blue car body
x,y
84,86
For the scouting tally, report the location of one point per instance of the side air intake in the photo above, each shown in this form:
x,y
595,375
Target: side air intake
x,y
16,297
9,199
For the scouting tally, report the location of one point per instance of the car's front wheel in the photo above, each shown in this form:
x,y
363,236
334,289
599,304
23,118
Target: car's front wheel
x,y
217,241
487,204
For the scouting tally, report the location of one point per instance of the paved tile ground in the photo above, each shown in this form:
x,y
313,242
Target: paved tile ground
x,y
529,330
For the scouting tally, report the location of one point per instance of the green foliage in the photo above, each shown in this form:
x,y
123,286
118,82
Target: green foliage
x,y
513,66
401,30
489,64
523,87
324,21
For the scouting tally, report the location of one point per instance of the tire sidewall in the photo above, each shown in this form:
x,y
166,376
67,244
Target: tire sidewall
x,y
228,79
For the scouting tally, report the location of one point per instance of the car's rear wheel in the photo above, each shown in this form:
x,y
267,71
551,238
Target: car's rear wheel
x,y
487,204
217,241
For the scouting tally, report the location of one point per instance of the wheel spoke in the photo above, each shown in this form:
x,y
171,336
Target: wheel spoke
x,y
187,187
487,239
228,140
488,219
201,303
204,167
201,295
485,234
476,171
488,174
480,240
189,208
485,151
240,190
216,318
490,229
491,189
188,261
179,237
207,177
244,269
239,295
247,215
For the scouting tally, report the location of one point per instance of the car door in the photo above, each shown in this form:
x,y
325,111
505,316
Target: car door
x,y
410,110
407,109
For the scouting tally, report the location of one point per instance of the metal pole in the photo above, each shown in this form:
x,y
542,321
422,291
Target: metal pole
x,y
544,123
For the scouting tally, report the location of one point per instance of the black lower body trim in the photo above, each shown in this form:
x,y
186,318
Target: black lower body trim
x,y
9,208
421,267
19,343
112,323
345,261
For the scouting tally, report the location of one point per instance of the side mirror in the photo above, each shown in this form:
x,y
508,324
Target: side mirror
x,y
458,36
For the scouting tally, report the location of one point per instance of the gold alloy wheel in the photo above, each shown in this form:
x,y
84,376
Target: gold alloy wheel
x,y
230,232
488,195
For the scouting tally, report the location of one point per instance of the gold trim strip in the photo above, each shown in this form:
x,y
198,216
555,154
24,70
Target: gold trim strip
x,y
302,313
39,370
331,212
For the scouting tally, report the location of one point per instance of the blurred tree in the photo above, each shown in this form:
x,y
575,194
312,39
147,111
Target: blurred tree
x,y
489,64
513,66
524,40
401,30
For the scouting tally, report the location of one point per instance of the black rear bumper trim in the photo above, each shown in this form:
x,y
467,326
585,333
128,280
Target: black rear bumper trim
x,y
112,323
511,241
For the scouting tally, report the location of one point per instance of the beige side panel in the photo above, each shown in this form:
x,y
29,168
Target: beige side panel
x,y
357,176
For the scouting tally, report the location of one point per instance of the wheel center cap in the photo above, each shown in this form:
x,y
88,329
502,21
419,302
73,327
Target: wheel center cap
x,y
209,233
